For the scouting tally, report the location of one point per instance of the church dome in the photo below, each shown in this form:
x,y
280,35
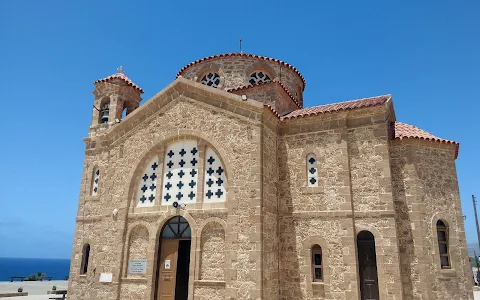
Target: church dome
x,y
232,71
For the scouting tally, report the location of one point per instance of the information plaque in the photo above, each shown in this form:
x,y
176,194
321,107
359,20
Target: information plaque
x,y
137,266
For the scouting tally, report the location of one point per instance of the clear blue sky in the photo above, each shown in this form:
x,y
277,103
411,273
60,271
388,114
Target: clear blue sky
x,y
425,53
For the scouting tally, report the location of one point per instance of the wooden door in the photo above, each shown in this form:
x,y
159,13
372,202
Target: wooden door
x,y
168,269
368,270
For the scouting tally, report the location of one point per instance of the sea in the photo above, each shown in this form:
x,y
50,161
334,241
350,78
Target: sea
x,y
58,269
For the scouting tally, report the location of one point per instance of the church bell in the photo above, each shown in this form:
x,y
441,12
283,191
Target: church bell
x,y
104,113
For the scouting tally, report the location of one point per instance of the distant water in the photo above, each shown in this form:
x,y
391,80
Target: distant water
x,y
56,268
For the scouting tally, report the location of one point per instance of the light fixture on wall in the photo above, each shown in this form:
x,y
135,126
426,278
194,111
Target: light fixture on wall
x,y
114,213
179,205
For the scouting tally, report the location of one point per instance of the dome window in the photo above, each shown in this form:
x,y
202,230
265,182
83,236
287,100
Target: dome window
x,y
259,77
211,79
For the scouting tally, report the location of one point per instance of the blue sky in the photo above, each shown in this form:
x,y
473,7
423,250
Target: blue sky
x,y
425,53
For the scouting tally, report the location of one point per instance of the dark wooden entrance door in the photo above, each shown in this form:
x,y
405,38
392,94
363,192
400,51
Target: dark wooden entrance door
x,y
367,261
174,260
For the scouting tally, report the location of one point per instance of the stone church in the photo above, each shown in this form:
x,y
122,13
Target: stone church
x,y
224,186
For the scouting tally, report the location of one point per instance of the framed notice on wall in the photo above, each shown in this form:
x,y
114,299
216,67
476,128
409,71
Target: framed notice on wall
x,y
137,266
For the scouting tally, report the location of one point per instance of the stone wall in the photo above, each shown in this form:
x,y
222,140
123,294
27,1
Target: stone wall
x,y
236,73
212,247
271,94
172,115
257,244
138,247
426,190
269,218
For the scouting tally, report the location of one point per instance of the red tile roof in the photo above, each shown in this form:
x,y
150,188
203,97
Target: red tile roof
x,y
334,107
122,77
232,54
406,131
265,83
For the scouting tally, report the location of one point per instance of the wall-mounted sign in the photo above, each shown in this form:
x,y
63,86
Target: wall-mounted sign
x,y
137,266
167,264
105,277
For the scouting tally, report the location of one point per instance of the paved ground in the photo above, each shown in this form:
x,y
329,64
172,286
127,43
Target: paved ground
x,y
38,290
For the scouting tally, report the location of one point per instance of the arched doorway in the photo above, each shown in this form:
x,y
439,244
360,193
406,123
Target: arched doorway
x,y
173,262
367,266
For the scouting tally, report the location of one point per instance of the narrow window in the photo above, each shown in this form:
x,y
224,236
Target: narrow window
x,y
85,257
442,235
317,269
312,177
95,181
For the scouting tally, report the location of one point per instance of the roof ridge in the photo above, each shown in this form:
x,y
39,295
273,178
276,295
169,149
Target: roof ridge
x,y
123,77
406,131
338,106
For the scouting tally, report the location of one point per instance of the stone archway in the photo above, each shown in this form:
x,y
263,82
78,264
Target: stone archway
x,y
173,265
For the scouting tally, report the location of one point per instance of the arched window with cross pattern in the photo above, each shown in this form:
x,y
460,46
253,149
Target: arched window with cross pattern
x,y
148,184
180,173
215,180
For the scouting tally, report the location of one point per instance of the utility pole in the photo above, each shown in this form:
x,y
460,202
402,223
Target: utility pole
x,y
476,218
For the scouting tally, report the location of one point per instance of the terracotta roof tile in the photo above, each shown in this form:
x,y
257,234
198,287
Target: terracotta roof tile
x,y
244,55
265,83
406,131
122,77
334,107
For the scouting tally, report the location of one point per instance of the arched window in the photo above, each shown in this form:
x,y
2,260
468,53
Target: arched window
x,y
259,77
317,267
215,179
177,228
95,181
312,171
85,257
442,236
180,173
148,184
211,79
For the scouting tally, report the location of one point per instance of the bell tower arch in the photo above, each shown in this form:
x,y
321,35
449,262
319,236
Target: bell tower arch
x,y
113,95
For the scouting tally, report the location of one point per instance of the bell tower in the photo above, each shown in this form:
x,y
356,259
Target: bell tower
x,y
113,95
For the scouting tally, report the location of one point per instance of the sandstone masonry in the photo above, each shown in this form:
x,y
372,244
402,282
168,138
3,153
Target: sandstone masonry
x,y
371,176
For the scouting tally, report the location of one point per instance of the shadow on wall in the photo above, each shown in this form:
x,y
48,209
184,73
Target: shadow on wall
x,y
289,266
404,227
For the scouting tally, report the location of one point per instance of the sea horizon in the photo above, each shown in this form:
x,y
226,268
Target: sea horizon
x,y
57,268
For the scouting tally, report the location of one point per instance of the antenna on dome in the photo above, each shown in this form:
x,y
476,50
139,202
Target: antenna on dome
x,y
240,45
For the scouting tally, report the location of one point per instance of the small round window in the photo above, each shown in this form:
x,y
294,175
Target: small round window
x,y
211,79
259,77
